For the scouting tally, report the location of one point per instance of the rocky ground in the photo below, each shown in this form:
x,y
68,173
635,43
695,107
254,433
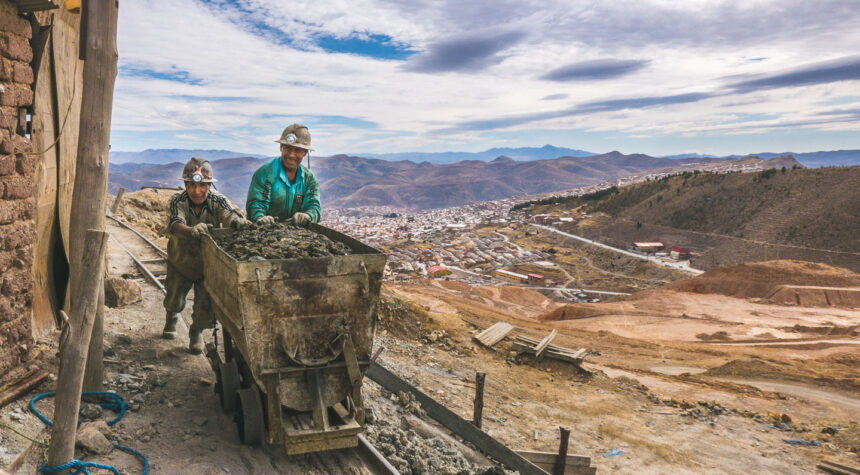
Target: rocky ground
x,y
660,400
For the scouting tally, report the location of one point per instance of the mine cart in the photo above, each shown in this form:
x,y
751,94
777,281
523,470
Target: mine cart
x,y
297,339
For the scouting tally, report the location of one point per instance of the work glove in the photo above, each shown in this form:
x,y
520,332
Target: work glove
x,y
199,229
302,219
266,220
240,223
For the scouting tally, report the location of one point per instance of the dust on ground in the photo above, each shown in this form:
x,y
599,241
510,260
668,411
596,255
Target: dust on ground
x,y
669,401
277,241
174,416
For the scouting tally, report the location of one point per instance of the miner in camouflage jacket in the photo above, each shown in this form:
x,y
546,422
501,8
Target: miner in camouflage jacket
x,y
192,213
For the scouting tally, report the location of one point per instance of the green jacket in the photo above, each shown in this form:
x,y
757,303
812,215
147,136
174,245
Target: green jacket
x,y
271,194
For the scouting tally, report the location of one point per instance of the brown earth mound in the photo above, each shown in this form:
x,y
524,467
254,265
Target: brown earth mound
x,y
570,312
812,296
716,336
455,285
146,210
745,368
522,296
851,330
759,279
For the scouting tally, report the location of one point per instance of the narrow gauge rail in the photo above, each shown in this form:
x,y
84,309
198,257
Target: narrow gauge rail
x,y
151,263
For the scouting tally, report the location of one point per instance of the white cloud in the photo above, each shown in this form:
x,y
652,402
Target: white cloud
x,y
251,72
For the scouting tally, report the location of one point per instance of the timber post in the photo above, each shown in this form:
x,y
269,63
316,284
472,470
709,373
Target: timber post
x,y
87,239
478,415
74,350
561,460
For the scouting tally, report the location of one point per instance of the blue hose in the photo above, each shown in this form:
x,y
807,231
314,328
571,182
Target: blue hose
x,y
109,400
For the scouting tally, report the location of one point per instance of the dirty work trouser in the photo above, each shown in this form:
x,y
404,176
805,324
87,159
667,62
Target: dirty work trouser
x,y
177,287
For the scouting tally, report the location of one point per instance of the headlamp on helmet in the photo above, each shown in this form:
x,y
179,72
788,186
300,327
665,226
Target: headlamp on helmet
x,y
291,139
197,176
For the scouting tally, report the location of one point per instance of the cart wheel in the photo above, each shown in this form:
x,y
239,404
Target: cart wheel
x,y
229,375
249,417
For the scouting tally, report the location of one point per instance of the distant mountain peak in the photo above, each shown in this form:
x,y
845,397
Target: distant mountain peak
x,y
518,154
502,158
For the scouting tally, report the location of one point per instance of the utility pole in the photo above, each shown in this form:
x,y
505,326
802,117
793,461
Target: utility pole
x,y
88,240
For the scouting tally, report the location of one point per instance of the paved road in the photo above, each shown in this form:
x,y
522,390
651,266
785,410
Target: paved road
x,y
671,265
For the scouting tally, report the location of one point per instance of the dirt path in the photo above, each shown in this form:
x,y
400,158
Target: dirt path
x,y
821,395
175,417
671,265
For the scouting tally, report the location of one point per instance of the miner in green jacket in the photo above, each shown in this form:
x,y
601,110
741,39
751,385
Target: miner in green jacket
x,y
284,188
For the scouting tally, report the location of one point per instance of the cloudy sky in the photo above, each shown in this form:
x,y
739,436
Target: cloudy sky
x,y
651,76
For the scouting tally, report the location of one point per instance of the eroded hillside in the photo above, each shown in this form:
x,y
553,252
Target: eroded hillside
x,y
805,214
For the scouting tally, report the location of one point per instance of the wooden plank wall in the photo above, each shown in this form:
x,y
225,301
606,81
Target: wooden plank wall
x,y
55,173
69,71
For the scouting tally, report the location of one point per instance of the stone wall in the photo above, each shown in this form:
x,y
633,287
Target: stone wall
x,y
17,202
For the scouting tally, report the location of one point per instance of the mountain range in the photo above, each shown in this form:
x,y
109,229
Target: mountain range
x,y
833,158
349,181
520,154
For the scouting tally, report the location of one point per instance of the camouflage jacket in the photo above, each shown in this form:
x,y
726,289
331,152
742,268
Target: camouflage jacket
x,y
184,253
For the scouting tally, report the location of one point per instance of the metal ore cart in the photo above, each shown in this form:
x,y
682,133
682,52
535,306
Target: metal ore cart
x,y
298,334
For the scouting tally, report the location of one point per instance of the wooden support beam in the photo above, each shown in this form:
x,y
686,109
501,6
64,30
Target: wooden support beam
x,y
549,458
479,399
561,461
541,347
117,201
73,353
463,428
87,239
838,468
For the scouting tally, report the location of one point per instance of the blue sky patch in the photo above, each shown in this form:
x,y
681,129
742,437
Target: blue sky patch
x,y
175,75
374,46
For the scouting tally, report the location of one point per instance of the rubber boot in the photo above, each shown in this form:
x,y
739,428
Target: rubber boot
x,y
169,332
195,345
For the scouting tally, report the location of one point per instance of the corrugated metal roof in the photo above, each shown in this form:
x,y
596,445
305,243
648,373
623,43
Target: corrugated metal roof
x,y
26,6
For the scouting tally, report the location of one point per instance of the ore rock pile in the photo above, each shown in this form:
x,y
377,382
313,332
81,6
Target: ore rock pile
x,y
411,450
278,241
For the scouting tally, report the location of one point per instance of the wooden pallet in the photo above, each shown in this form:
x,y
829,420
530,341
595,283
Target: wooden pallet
x,y
493,334
524,344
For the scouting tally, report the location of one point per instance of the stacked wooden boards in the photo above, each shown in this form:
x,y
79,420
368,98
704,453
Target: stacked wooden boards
x,y
493,334
524,344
